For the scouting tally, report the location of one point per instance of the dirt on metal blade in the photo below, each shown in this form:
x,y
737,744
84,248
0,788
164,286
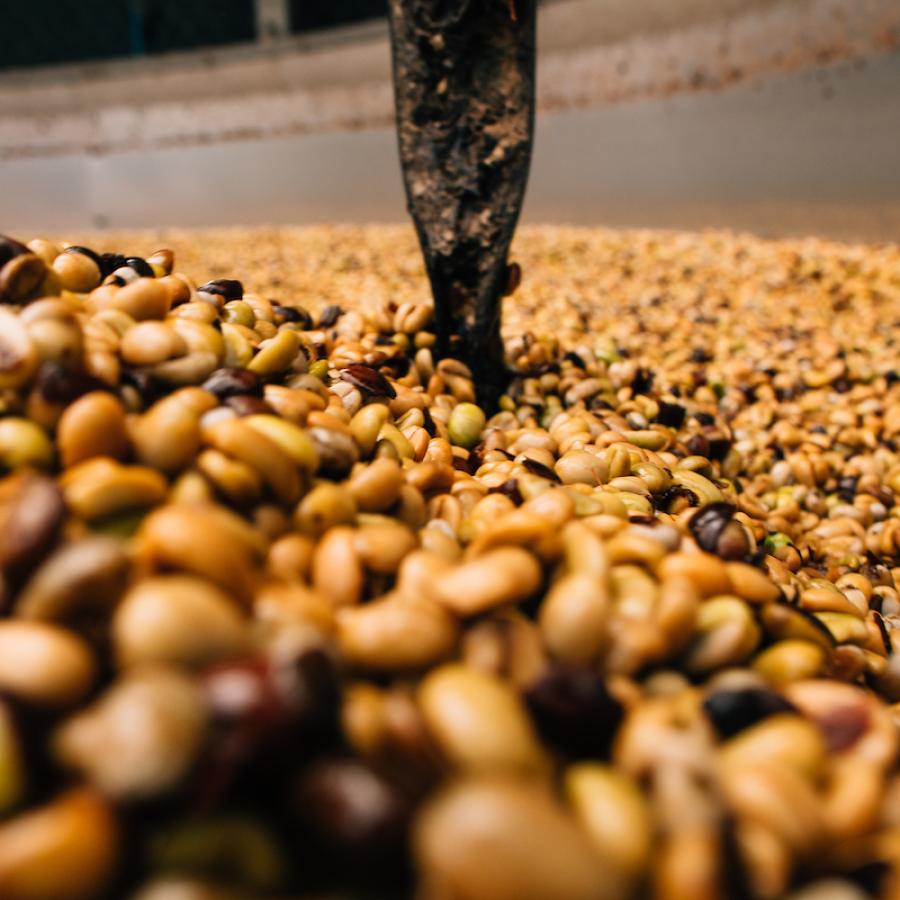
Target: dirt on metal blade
x,y
464,86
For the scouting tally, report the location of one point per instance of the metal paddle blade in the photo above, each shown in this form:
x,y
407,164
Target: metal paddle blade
x,y
464,88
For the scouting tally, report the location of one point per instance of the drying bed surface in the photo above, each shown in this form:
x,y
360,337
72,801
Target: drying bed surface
x,y
284,611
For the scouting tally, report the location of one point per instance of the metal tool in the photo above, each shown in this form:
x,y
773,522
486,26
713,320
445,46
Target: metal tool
x,y
464,73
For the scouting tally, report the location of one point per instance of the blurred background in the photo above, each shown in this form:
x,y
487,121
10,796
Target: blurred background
x,y
777,116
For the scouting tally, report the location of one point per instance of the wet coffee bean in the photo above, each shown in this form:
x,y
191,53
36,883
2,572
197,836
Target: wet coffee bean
x,y
355,820
140,266
10,249
294,314
573,710
57,384
509,489
86,251
109,262
32,511
513,279
643,381
261,706
718,447
370,381
226,288
226,383
248,405
847,488
843,727
144,383
671,414
329,316
461,465
398,367
700,355
709,524
697,445
676,492
731,711
538,468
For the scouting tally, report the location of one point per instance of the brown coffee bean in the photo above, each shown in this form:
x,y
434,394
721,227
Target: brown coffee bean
x,y
31,517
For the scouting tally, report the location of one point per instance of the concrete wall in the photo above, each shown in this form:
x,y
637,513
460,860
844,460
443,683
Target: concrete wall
x,y
777,115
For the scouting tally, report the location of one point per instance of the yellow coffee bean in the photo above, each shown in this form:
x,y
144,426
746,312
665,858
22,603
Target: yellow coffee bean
x,y
376,487
144,298
94,425
249,445
177,620
614,814
791,660
140,738
149,343
395,634
295,441
479,721
12,763
366,424
783,740
233,479
277,354
337,571
76,271
325,506
573,618
100,487
44,664
64,850
466,424
382,544
523,847
203,539
504,575
166,436
24,444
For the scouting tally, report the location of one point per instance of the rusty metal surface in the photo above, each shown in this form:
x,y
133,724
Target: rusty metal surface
x,y
464,89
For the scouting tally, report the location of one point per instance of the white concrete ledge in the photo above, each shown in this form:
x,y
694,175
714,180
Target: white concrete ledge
x,y
776,116
592,52
776,156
